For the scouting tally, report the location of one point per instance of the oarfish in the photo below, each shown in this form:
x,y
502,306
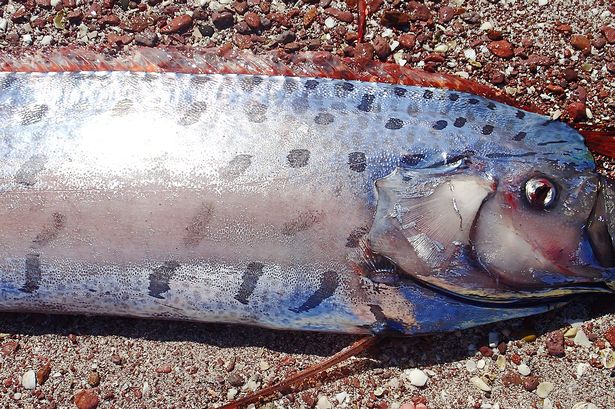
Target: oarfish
x,y
231,190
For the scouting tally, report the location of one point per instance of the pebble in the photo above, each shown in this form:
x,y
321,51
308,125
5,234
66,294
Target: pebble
x,y
28,380
524,369
235,379
222,20
146,39
470,365
341,397
580,338
323,403
26,39
231,393
330,22
343,16
502,49
264,365
580,42
572,331
417,377
609,33
86,399
43,374
9,348
253,20
3,24
582,367
555,340
542,3
480,364
531,383
470,54
544,389
178,24
500,362
480,384
608,358
93,378
609,335
46,40
576,112
381,47
379,391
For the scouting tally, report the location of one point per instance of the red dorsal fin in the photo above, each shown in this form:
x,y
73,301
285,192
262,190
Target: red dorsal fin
x,y
600,142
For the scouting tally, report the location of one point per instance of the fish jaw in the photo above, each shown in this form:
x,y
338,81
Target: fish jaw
x,y
600,231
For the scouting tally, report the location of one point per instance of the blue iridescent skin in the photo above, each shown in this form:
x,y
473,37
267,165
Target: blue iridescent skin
x,y
294,203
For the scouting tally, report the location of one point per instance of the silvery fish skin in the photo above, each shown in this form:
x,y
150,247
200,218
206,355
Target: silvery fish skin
x,y
297,203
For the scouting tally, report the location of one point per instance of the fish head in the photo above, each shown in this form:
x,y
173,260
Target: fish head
x,y
512,223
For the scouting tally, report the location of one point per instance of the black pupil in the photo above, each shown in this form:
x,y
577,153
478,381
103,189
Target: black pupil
x,y
539,198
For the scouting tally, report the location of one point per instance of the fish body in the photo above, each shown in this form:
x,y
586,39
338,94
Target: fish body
x,y
288,202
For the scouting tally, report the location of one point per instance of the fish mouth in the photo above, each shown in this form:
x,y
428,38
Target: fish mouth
x,y
601,229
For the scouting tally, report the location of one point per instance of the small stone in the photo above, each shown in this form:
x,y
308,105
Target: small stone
x,y
419,11
341,397
516,359
235,379
576,112
544,389
481,364
343,16
580,42
43,374
542,3
253,21
469,54
471,365
609,34
230,395
323,403
524,369
417,377
86,399
502,49
480,384
330,22
500,362
485,351
581,339
446,14
441,48
264,365
394,18
222,20
310,16
407,41
379,391
93,378
609,335
116,359
28,380
147,39
572,331
364,51
165,368
9,348
511,378
531,383
286,37
502,346
381,47
570,75
178,24
555,340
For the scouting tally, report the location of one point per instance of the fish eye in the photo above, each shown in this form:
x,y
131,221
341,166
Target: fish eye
x,y
540,193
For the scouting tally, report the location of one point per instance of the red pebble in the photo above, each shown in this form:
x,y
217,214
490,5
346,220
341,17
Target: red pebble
x,y
502,49
86,399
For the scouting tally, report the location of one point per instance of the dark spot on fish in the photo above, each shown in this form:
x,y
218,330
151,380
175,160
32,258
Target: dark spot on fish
x,y
197,229
324,118
520,136
33,273
411,159
352,241
33,114
460,122
473,101
400,92
249,280
7,81
453,97
27,173
366,102
255,111
520,114
122,107
440,125
394,123
491,106
311,84
299,105
159,278
199,80
193,113
550,143
302,222
290,85
247,83
487,129
428,94
237,166
496,155
298,158
376,310
328,284
343,89
357,161
51,231
384,325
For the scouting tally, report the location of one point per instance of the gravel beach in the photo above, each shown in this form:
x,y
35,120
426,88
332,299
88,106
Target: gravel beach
x,y
557,54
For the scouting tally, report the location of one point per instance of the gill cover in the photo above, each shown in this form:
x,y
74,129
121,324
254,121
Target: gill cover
x,y
522,237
